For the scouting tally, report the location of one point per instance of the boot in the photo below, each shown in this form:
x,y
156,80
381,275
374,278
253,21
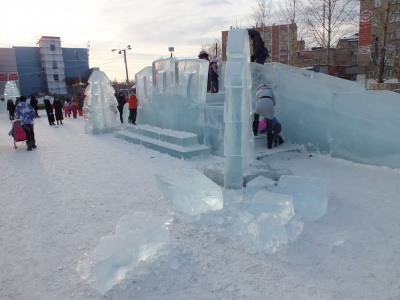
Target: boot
x,y
58,123
255,127
270,138
34,145
29,146
61,122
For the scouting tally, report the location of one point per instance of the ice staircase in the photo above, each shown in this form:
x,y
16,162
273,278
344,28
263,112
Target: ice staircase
x,y
175,143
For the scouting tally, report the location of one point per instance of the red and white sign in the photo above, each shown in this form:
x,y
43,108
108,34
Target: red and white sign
x,y
13,77
4,77
364,41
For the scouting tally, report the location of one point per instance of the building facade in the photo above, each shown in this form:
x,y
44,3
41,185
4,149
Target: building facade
x,y
47,68
380,39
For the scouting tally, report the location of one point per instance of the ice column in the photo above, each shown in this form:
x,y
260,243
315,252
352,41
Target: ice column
x,y
239,144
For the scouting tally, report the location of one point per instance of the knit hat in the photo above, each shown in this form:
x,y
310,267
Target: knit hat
x,y
203,54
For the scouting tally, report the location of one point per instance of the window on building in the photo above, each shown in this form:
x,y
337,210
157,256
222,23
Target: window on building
x,y
377,3
390,74
394,17
55,77
52,47
55,65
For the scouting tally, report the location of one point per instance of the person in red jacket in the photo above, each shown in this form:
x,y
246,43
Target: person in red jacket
x,y
133,103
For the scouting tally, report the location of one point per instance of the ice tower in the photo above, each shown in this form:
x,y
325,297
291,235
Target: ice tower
x,y
100,107
238,141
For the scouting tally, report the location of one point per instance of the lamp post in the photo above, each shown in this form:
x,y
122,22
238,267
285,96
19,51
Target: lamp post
x,y
126,64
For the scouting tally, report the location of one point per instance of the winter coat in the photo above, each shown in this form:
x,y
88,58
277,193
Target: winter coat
x,y
265,102
264,129
214,71
58,109
10,106
121,100
48,106
25,113
34,103
258,46
132,102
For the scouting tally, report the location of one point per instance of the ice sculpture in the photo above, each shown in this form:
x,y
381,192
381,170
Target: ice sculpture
x,y
238,142
310,195
100,107
138,238
11,91
190,191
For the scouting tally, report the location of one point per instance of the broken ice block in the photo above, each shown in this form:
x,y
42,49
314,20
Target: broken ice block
x,y
278,204
138,237
267,233
190,191
310,195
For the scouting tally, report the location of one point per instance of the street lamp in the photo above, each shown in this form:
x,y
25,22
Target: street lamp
x,y
126,64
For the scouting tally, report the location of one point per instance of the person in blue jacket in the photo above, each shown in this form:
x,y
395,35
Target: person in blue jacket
x,y
26,114
276,130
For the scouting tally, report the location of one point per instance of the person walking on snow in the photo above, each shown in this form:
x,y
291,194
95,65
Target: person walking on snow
x,y
26,114
133,103
34,103
58,110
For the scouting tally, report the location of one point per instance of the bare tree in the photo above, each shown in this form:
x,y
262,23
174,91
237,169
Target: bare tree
x,y
386,35
262,13
326,21
213,48
287,13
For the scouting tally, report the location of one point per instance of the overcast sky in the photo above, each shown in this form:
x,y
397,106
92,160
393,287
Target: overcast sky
x,y
150,27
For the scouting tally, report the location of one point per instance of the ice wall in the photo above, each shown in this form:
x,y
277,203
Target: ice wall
x,y
238,142
100,107
332,115
172,95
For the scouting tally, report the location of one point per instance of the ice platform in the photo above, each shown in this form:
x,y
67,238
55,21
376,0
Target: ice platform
x,y
174,143
261,150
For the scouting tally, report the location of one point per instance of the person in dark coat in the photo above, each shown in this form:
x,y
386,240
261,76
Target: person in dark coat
x,y
11,108
121,102
204,55
214,74
49,110
34,103
58,110
259,53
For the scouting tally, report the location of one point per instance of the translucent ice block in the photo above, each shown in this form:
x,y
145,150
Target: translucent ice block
x,y
310,195
190,191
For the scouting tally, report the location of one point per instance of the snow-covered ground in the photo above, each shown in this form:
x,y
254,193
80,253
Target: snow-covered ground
x,y
57,201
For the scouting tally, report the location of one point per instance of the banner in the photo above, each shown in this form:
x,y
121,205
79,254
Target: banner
x,y
3,77
13,77
364,41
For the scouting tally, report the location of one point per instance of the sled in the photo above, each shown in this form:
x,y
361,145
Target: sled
x,y
18,132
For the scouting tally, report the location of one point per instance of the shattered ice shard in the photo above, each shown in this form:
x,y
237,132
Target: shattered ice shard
x,y
310,195
267,233
138,237
278,204
190,191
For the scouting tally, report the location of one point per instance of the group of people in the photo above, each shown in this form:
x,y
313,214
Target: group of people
x,y
132,105
11,106
55,110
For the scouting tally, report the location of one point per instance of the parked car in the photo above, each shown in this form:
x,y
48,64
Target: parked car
x,y
396,91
